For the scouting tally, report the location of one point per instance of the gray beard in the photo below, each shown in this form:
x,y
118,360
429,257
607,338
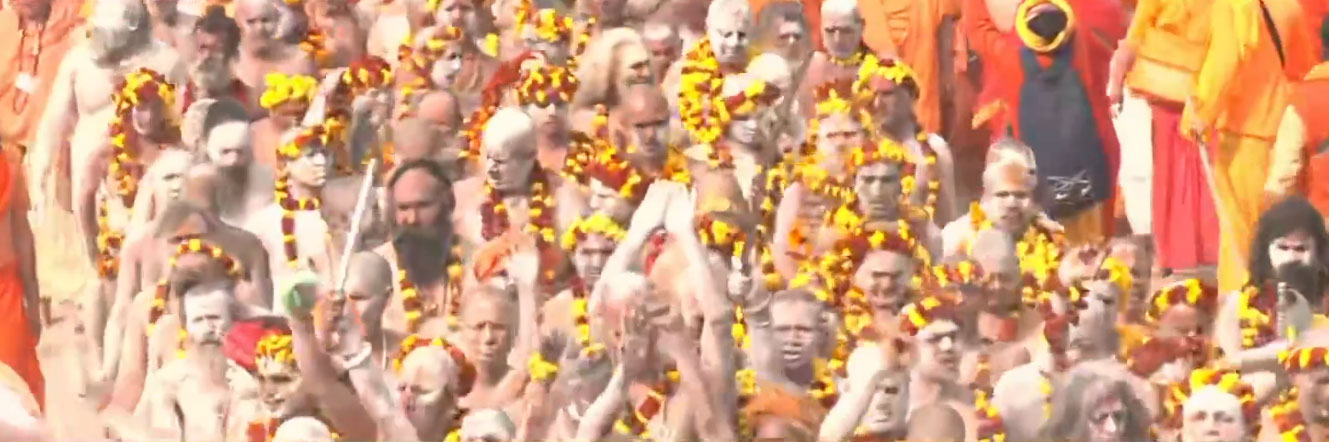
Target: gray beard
x,y
111,46
211,76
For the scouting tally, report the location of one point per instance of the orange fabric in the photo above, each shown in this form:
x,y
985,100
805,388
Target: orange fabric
x,y
492,257
1315,114
1170,38
909,29
1237,90
18,349
19,126
1316,11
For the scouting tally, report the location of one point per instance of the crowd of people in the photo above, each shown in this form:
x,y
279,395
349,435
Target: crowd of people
x,y
803,220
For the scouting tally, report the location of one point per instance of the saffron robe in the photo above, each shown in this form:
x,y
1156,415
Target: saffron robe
x,y
910,30
18,348
1005,76
20,110
1311,105
1241,98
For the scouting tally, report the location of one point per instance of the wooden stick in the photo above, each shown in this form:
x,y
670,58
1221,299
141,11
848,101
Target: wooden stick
x,y
1224,217
356,222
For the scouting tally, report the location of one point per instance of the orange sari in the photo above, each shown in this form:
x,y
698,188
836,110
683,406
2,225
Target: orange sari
x,y
18,345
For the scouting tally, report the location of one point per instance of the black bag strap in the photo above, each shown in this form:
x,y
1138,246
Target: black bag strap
x,y
1273,32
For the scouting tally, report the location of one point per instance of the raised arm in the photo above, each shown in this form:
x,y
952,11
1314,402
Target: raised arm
x,y
599,417
337,402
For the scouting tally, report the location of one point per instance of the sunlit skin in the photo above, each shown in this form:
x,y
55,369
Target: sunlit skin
x,y
879,193
641,124
306,175
797,326
886,276
590,256
421,222
836,135
261,49
488,329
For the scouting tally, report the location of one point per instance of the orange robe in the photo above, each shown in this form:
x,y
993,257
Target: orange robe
x,y
1309,100
18,346
1241,95
910,29
20,110
1003,77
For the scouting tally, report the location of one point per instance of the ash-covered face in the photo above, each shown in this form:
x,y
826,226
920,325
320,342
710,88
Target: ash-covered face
x,y
487,327
609,201
939,351
1298,247
211,69
798,329
889,407
169,175
1009,203
556,52
207,316
311,167
879,190
590,256
791,40
425,389
633,64
647,131
743,130
443,73
459,13
260,23
279,387
1138,259
113,27
842,34
1211,415
1313,389
664,52
1106,416
292,22
229,145
730,37
891,103
836,134
886,278
1091,337
509,166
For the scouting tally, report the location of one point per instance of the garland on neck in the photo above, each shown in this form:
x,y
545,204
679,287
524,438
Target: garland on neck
x,y
415,308
188,245
288,202
315,44
639,417
699,83
137,88
1286,414
1255,313
420,62
109,242
854,60
494,212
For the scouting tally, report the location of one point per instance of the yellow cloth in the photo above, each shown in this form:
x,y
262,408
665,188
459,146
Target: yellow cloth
x,y
1169,37
1241,165
1085,227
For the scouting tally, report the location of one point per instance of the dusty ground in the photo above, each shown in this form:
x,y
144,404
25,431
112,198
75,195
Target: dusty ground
x,y
69,417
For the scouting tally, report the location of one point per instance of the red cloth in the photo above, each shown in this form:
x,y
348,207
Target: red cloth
x,y
1185,222
1003,75
242,339
1314,113
18,346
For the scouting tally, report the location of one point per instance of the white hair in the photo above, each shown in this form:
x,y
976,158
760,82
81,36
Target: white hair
x,y
728,10
772,69
840,7
302,429
656,31
735,84
596,70
510,126
487,422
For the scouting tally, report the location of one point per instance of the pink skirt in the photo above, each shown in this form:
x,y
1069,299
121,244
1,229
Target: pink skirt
x,y
1185,221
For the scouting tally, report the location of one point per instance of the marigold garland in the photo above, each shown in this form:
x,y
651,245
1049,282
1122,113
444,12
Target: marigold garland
x,y
637,422
465,371
416,309
109,242
700,82
136,88
290,204
1255,313
917,315
541,369
596,224
1192,292
540,211
275,347
546,84
315,44
1286,414
581,319
420,61
1225,380
185,246
282,88
854,60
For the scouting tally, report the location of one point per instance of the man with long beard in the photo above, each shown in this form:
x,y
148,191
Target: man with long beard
x,y
216,43
420,204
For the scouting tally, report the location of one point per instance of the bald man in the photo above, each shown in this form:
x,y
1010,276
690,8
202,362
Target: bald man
x,y
641,120
936,423
262,50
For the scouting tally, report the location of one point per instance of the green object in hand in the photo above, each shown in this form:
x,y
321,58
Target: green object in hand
x,y
289,292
